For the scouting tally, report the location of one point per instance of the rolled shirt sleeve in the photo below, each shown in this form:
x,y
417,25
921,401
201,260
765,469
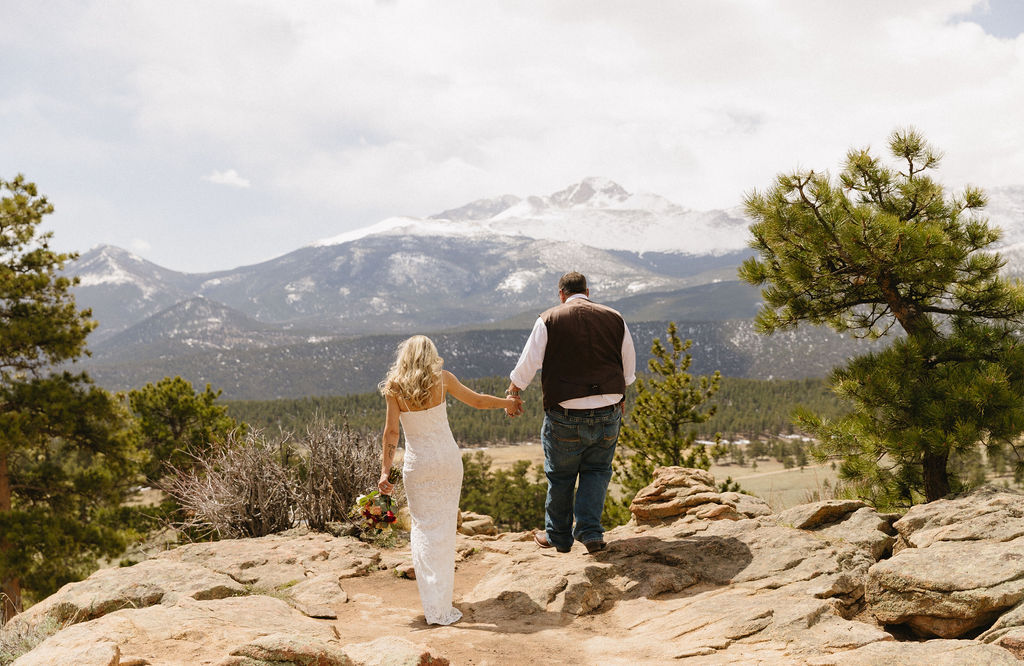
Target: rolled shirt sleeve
x,y
532,358
628,356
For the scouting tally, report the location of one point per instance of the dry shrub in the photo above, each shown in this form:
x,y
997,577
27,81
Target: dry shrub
x,y
338,464
243,488
253,486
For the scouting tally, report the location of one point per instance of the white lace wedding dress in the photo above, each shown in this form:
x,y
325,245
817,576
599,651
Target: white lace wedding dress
x,y
432,472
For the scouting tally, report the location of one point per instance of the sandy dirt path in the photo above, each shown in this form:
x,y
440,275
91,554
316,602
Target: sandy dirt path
x,y
536,639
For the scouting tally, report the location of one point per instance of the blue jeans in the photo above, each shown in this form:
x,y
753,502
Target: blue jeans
x,y
577,447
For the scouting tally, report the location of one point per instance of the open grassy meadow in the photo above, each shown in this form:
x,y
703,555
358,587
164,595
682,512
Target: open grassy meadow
x,y
771,481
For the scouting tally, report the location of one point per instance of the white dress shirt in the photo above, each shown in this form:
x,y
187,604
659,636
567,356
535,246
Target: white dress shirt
x,y
532,358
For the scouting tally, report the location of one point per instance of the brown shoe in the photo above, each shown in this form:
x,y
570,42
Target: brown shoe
x,y
542,540
595,546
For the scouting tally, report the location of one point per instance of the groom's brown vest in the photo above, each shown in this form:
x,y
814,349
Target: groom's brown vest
x,y
584,352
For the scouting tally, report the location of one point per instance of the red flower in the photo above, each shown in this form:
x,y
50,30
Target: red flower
x,y
389,517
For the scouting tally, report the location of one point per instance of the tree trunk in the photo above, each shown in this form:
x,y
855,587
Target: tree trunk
x,y
936,479
10,586
914,323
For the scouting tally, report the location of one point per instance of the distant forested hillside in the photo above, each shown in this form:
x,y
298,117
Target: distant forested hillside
x,y
355,365
746,408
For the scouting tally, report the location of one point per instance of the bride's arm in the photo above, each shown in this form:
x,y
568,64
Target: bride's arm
x,y
389,444
467,395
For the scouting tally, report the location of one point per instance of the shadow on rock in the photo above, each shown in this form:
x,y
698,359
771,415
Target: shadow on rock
x,y
557,589
655,566
491,615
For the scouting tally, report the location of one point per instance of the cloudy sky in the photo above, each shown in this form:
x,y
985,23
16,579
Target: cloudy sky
x,y
207,134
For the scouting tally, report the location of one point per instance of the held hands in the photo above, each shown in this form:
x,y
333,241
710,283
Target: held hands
x,y
514,406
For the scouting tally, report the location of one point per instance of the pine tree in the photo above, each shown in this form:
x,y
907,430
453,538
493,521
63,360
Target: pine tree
x,y
667,403
885,250
177,423
66,451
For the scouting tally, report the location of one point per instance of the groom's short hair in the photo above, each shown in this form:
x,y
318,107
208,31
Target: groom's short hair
x,y
572,283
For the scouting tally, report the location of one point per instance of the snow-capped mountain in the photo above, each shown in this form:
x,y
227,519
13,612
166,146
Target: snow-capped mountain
x,y
123,289
596,212
490,264
478,263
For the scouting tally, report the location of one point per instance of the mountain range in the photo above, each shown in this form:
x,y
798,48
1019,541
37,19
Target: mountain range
x,y
481,271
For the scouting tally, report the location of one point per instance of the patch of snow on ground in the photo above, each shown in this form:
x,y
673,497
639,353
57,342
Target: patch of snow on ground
x,y
518,281
298,288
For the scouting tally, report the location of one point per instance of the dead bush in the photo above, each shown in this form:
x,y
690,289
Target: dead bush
x,y
243,488
337,465
253,485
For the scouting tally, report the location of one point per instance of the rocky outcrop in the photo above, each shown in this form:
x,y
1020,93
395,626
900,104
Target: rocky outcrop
x,y
959,565
701,575
473,524
684,492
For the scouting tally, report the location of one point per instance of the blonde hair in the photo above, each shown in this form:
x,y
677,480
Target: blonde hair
x,y
416,370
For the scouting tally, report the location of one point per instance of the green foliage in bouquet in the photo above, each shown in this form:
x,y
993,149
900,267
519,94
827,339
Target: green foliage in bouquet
x,y
374,519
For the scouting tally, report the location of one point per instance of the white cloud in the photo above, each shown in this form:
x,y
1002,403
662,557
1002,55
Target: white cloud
x,y
228,177
416,106
425,104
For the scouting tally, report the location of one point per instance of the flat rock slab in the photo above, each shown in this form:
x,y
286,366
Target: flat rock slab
x,y
190,632
144,584
727,626
393,652
277,561
317,596
736,591
928,653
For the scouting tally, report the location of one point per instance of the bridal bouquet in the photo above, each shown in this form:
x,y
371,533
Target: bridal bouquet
x,y
374,516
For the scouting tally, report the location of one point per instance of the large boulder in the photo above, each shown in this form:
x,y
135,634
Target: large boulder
x,y
986,514
683,491
473,524
959,565
849,520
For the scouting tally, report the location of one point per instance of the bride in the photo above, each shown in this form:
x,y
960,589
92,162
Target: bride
x,y
415,389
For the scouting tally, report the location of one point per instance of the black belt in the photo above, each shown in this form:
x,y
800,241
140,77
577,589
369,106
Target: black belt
x,y
597,411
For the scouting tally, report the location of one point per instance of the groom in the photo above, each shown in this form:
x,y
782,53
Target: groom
x,y
586,357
